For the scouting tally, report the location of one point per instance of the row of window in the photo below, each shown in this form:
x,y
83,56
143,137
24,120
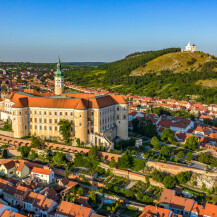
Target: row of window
x,y
51,113
45,128
118,117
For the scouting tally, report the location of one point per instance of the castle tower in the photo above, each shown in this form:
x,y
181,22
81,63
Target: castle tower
x,y
59,79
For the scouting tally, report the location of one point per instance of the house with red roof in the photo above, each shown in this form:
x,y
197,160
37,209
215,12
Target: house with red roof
x,y
153,211
178,205
67,209
208,210
43,175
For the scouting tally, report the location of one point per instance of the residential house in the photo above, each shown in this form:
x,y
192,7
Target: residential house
x,y
43,175
178,205
8,213
22,170
66,209
152,211
8,169
208,210
29,200
20,193
8,193
202,131
4,207
3,184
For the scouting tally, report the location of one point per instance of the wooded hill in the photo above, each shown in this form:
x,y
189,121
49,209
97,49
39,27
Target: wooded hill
x,y
166,73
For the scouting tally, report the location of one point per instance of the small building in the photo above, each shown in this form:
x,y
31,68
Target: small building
x,y
8,193
66,209
43,175
190,48
8,169
155,211
28,201
20,193
22,170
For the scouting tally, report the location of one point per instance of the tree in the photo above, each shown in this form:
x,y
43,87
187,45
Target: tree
x,y
183,177
80,191
7,126
65,130
169,182
165,151
36,142
24,150
167,135
93,153
59,158
180,154
125,161
138,164
204,158
189,156
155,143
157,176
135,123
92,197
5,154
191,142
33,154
112,163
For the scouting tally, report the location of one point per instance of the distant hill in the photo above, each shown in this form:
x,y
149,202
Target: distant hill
x,y
166,73
176,62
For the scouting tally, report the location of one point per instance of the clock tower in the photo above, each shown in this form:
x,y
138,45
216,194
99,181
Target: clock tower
x,y
59,79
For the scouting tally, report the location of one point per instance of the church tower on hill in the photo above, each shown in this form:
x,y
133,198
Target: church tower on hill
x,y
59,79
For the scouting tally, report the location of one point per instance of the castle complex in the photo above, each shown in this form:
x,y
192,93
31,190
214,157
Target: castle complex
x,y
96,119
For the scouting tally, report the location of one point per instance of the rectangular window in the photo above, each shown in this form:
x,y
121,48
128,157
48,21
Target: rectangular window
x,y
50,121
35,120
60,113
45,128
118,117
36,127
40,120
39,112
49,113
45,113
124,116
80,124
45,121
71,113
55,121
30,126
40,127
55,128
30,119
66,113
50,128
55,113
35,113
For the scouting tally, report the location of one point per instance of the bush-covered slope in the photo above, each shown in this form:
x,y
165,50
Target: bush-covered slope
x,y
189,83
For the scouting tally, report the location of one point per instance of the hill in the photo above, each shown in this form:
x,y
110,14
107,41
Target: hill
x,y
166,73
176,62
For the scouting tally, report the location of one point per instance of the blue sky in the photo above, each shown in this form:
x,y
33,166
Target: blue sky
x,y
102,30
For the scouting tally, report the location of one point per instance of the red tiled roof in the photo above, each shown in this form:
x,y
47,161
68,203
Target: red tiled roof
x,y
9,165
68,100
181,203
20,167
71,209
151,211
41,171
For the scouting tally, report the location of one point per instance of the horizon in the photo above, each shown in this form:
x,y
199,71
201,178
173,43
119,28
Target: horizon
x,y
93,31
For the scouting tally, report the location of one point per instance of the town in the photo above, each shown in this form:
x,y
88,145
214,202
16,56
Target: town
x,y
69,150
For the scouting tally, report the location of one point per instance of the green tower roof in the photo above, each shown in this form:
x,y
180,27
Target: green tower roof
x,y
58,72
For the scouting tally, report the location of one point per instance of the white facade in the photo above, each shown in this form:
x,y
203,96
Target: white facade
x,y
43,177
190,47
